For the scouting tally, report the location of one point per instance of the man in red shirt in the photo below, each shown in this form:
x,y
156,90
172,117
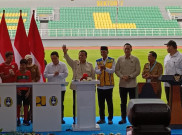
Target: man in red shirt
x,y
8,69
23,93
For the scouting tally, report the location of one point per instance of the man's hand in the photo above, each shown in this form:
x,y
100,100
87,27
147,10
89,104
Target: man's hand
x,y
11,72
102,67
5,76
27,94
64,49
56,73
125,77
19,92
147,76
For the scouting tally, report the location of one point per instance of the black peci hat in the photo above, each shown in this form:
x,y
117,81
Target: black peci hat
x,y
104,48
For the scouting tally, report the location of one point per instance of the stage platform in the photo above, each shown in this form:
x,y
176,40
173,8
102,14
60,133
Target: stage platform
x,y
106,129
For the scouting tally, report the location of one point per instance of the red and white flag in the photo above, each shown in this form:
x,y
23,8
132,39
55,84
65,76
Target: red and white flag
x,y
21,44
36,47
5,42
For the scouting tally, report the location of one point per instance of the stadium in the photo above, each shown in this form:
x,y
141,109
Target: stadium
x,y
89,24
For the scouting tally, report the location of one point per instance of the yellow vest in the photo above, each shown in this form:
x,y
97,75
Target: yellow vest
x,y
106,79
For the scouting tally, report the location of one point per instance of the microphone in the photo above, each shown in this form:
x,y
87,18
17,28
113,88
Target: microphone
x,y
75,77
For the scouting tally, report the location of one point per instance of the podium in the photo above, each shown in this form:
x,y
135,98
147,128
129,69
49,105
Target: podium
x,y
8,107
147,90
85,95
46,106
175,99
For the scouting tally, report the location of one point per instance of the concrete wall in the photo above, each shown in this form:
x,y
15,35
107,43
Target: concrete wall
x,y
159,3
47,3
109,42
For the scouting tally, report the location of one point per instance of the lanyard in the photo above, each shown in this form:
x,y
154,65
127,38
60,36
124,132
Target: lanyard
x,y
152,66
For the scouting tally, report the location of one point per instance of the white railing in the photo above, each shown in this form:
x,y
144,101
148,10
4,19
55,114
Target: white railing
x,y
106,32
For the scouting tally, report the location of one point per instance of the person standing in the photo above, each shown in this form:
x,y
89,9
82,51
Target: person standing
x,y
127,69
57,71
79,67
104,69
23,93
35,75
8,68
172,64
152,71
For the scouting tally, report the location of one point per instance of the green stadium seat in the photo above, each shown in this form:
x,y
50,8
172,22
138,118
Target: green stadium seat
x,y
81,21
12,17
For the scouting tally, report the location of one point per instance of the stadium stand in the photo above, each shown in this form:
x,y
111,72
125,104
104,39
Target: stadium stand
x,y
100,21
12,17
112,21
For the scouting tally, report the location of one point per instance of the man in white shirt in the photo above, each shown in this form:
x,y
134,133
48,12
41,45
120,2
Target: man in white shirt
x,y
57,71
172,64
104,69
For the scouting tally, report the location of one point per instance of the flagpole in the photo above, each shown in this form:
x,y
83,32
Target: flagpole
x,y
34,14
117,13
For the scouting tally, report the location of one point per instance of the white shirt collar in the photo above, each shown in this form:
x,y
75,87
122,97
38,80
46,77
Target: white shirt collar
x,y
57,64
174,55
105,59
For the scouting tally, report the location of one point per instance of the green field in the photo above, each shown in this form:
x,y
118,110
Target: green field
x,y
95,54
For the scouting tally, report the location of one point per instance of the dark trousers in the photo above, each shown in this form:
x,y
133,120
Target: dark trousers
x,y
74,106
102,96
167,89
25,100
123,95
22,98
62,103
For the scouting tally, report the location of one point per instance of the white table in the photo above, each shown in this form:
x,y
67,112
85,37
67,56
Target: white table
x,y
47,106
46,115
86,118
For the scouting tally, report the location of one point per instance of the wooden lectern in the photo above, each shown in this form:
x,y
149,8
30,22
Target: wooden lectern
x,y
85,92
175,99
147,90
